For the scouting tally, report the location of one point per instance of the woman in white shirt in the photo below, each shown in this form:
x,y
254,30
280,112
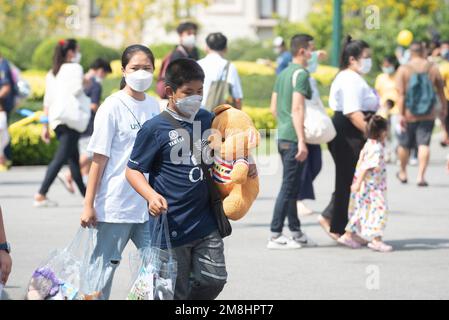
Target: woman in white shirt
x,y
112,206
65,78
352,99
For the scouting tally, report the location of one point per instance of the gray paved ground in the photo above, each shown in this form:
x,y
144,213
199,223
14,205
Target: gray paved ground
x,y
418,228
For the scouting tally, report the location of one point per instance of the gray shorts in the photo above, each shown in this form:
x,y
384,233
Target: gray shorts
x,y
417,134
202,271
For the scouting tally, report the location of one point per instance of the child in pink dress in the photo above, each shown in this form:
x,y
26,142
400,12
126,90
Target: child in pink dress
x,y
368,203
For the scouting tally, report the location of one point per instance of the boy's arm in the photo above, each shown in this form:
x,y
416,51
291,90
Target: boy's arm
x,y
274,104
298,114
157,204
5,258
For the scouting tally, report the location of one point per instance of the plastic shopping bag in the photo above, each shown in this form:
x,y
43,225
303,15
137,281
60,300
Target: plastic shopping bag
x,y
154,268
71,273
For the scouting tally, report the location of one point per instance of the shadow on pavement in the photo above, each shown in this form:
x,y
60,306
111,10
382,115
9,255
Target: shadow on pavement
x,y
419,244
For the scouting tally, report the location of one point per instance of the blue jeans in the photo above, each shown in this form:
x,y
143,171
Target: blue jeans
x,y
311,169
286,201
111,241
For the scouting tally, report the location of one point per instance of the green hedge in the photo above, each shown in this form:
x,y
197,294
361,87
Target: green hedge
x,y
91,50
28,148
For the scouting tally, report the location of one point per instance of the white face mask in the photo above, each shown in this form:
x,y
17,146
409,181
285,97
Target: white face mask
x,y
365,66
190,106
189,41
388,70
77,58
140,80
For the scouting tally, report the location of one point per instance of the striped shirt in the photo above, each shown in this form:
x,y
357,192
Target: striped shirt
x,y
222,169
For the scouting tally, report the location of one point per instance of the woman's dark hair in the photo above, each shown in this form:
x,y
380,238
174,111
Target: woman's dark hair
x,y
129,53
351,48
60,55
182,71
376,125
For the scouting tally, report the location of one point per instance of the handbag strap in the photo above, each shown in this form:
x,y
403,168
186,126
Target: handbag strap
x,y
197,153
129,109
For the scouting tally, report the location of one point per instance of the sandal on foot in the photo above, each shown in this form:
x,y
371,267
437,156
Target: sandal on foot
x,y
380,247
403,181
349,243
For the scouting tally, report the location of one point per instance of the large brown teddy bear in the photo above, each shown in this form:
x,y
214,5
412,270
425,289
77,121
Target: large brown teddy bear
x,y
232,140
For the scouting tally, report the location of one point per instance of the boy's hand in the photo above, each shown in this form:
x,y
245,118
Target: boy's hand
x,y
157,205
5,266
89,217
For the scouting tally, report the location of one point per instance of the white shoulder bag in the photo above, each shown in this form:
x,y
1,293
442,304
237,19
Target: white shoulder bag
x,y
71,106
318,126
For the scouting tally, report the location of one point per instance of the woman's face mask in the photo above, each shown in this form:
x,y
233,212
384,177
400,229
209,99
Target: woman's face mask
x,y
365,65
313,63
77,58
388,70
140,80
189,106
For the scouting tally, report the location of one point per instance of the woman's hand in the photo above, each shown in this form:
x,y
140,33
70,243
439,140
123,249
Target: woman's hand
x,y
89,217
5,266
45,135
356,187
303,152
157,205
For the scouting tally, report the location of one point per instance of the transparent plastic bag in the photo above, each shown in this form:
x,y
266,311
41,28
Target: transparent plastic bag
x,y
154,269
71,273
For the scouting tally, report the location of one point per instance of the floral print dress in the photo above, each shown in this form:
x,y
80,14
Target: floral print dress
x,y
368,206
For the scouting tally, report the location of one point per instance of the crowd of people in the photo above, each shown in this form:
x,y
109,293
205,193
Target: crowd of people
x,y
123,149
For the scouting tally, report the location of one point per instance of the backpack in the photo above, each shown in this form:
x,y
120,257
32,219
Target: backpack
x,y
219,91
160,85
420,98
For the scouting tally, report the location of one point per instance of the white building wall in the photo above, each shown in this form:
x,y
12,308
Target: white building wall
x,y
235,18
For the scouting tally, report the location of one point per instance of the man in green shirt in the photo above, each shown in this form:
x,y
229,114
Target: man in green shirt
x,y
288,103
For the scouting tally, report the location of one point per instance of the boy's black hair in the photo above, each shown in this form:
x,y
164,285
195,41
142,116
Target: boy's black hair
x,y
376,125
217,41
186,26
101,64
300,41
182,71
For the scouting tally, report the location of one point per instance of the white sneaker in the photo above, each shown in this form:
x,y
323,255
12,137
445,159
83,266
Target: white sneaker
x,y
413,162
45,204
283,243
303,210
305,241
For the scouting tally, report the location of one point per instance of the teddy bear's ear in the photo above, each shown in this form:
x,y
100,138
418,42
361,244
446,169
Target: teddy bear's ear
x,y
221,109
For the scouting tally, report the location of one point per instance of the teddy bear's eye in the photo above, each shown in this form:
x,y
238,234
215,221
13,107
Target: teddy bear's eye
x,y
223,139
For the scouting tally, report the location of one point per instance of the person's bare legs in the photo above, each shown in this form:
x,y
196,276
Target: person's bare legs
x,y
404,156
423,157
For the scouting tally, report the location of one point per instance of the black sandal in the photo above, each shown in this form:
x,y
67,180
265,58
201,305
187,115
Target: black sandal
x,y
423,184
403,181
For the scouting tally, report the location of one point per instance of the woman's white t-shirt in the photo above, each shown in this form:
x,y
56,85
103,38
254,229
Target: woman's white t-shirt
x,y
117,123
350,93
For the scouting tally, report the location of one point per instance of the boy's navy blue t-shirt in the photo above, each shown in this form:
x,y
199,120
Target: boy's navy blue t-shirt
x,y
190,215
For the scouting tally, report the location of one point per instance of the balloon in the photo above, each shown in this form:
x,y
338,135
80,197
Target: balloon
x,y
405,38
